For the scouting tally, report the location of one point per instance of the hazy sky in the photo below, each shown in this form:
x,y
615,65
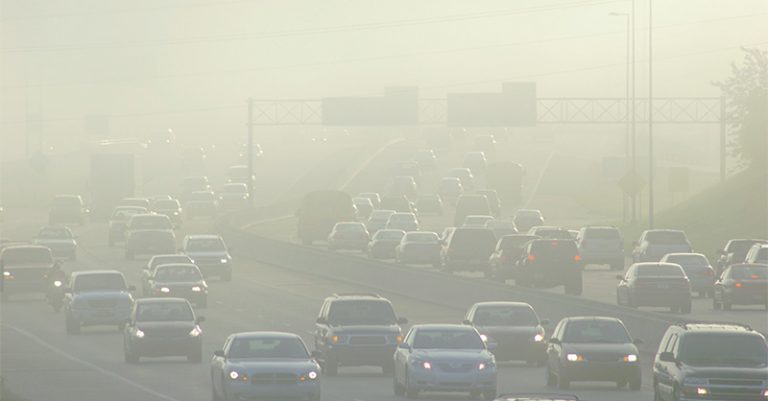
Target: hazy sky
x,y
191,64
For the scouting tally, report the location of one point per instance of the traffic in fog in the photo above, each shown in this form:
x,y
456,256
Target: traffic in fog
x,y
522,221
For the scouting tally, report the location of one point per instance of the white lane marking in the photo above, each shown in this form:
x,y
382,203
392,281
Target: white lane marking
x,y
540,179
97,368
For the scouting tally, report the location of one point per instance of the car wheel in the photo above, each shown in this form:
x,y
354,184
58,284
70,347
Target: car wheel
x,y
214,395
549,377
621,383
656,395
410,393
726,304
636,381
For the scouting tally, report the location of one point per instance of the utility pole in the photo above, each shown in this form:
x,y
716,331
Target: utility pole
x,y
650,114
627,108
250,152
633,122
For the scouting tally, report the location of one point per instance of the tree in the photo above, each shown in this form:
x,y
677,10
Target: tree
x,y
746,92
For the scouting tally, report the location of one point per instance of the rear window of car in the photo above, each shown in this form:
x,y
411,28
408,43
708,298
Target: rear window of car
x,y
555,248
472,238
750,272
659,270
554,234
740,247
505,316
389,235
361,312
688,260
421,237
666,237
27,256
156,221
762,253
100,282
601,233
723,350
206,245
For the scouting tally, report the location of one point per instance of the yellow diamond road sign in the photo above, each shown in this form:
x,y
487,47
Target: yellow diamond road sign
x,y
632,183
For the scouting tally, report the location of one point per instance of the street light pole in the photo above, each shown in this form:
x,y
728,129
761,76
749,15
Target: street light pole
x,y
626,104
250,152
650,114
634,125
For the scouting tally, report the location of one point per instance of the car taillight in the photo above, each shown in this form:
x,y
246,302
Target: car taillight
x,y
738,285
531,258
577,258
554,243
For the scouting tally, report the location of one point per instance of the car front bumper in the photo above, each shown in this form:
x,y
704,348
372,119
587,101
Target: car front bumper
x,y
242,391
424,380
600,371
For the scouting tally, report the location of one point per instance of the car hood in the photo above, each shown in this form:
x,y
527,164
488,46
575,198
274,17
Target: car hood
x,y
166,326
371,329
94,295
276,365
172,284
508,330
719,372
54,241
601,348
452,355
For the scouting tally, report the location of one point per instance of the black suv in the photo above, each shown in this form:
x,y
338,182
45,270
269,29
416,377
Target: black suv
x,y
549,263
357,330
711,362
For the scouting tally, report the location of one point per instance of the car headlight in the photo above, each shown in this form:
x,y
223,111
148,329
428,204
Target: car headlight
x,y
235,375
6,274
398,339
138,333
426,365
195,332
574,357
484,338
224,260
485,365
197,288
695,381
538,338
165,290
310,376
57,283
630,358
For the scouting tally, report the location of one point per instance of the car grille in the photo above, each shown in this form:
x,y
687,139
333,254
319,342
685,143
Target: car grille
x,y
102,303
736,394
736,382
604,357
453,367
273,378
167,332
367,340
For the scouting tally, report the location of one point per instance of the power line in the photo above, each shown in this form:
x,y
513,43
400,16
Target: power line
x,y
317,31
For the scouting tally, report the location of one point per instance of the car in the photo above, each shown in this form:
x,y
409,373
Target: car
x,y
257,152
470,204
378,220
707,361
170,208
735,251
403,221
509,249
67,209
349,235
525,219
654,244
741,284
147,221
158,260
97,297
383,243
536,397
419,247
757,254
493,201
239,175
59,239
485,144
593,348
476,162
601,245
465,175
149,242
373,196
364,207
476,220
233,196
210,254
430,204
468,249
162,327
405,186
357,329
119,220
409,169
135,202
655,284
450,188
550,232
549,263
514,327
264,364
501,228
25,269
697,268
399,204
192,184
426,158
201,203
180,280
319,211
444,357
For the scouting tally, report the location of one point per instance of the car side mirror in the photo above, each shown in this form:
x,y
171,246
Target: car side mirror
x,y
619,277
200,319
466,322
404,346
219,353
667,357
402,320
554,340
638,341
544,322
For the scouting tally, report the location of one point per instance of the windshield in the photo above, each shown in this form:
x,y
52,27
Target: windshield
x,y
762,254
601,233
358,312
179,273
422,237
162,260
723,350
267,348
505,316
206,245
447,339
666,237
27,256
740,248
164,312
99,282
595,331
750,272
659,270
54,233
389,235
688,260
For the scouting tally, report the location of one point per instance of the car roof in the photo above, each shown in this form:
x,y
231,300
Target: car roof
x,y
717,327
663,229
503,303
649,264
265,334
537,397
685,254
593,318
94,272
437,326
357,295
25,246
159,300
203,236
